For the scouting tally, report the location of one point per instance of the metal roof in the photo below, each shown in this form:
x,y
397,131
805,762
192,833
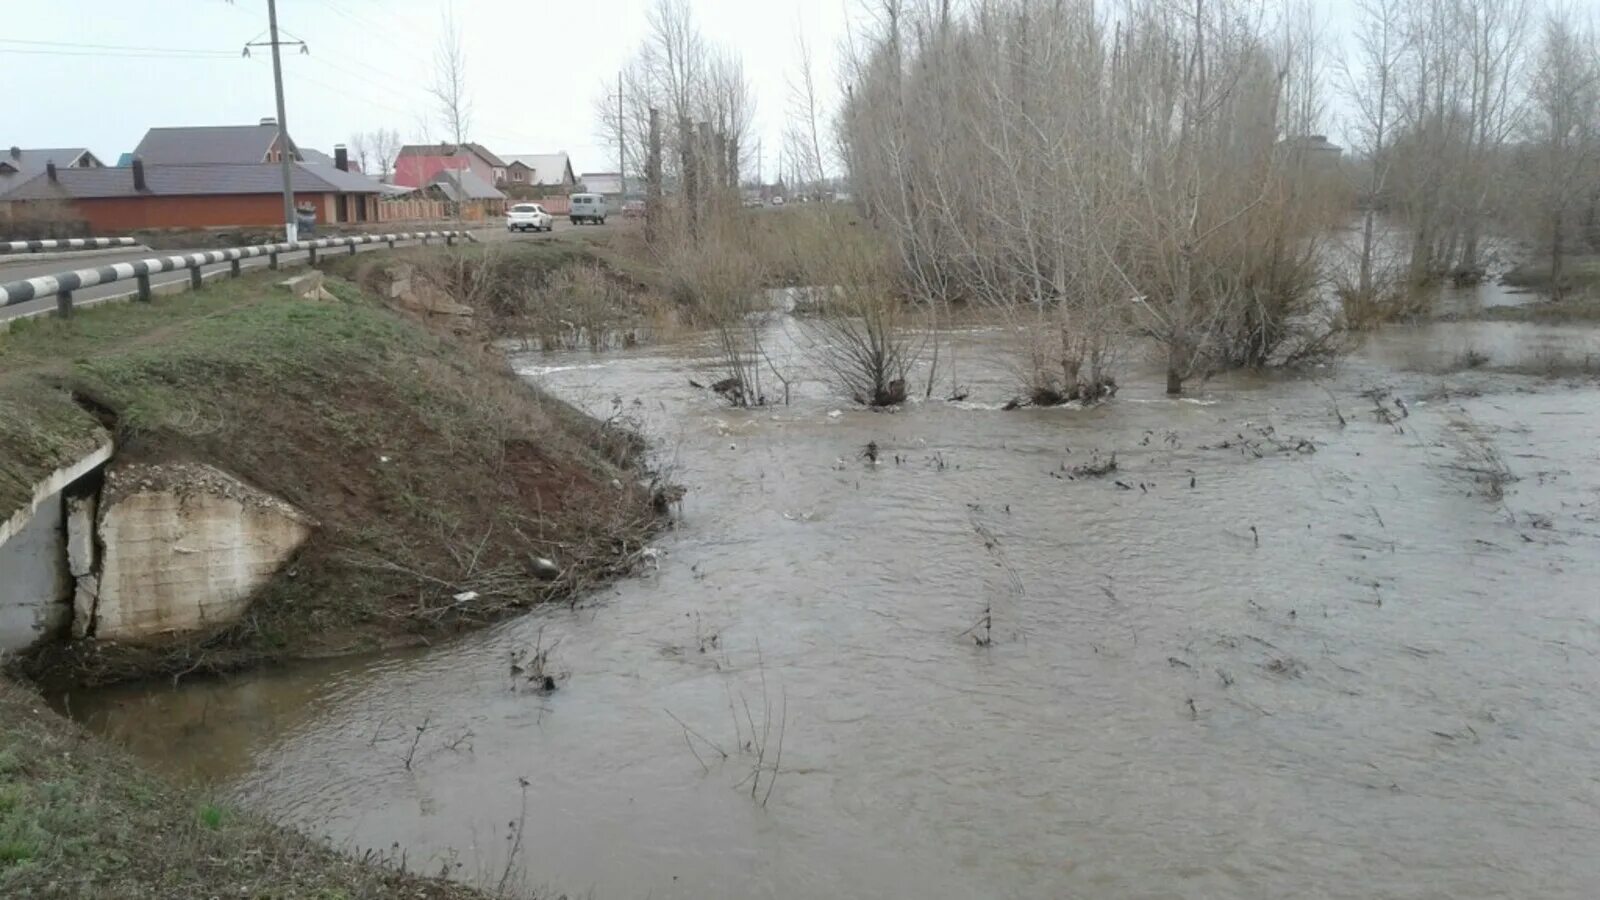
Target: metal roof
x,y
462,184
204,144
345,181
191,181
29,163
445,149
549,169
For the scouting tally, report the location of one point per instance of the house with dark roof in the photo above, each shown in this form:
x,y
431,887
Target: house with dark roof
x,y
204,195
18,165
473,197
417,164
199,145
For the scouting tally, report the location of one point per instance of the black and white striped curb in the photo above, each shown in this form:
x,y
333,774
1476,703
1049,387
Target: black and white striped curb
x,y
65,283
67,244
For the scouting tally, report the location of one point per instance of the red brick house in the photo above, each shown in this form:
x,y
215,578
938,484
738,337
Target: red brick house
x,y
117,200
417,164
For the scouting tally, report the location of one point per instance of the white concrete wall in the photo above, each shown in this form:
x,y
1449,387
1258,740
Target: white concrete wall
x,y
35,585
184,547
34,581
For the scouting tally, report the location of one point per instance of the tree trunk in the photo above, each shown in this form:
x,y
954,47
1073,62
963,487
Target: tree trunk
x,y
1174,379
688,171
1364,278
1179,357
652,174
1557,254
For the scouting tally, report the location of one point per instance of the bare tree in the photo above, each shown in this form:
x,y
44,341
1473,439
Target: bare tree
x,y
1368,81
361,151
1089,174
1494,31
449,88
385,144
1565,133
705,110
802,133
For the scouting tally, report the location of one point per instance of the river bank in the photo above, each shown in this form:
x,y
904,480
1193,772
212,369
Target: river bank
x,y
1310,624
440,493
79,818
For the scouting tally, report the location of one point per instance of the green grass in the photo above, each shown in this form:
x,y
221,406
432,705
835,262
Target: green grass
x,y
211,816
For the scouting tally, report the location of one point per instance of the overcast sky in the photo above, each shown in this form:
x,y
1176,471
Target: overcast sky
x,y
534,67
97,73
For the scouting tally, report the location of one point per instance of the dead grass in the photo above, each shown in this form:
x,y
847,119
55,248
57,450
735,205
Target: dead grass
x,y
1384,304
1548,362
433,471
79,820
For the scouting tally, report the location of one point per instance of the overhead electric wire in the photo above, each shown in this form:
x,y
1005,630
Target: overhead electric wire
x,y
77,45
114,54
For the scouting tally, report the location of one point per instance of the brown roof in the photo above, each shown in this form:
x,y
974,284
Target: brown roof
x,y
451,150
71,184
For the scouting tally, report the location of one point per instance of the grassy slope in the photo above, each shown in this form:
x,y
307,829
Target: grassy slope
x,y
79,819
432,470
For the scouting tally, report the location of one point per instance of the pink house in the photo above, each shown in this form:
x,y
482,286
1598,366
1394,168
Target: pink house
x,y
419,164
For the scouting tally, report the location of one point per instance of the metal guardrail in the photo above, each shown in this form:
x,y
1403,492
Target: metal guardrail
x,y
65,244
63,284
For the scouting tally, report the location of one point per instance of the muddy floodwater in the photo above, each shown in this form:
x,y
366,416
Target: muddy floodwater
x,y
1270,655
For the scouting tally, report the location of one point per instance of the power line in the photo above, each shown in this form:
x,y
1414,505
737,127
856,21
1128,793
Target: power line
x,y
368,24
113,54
187,51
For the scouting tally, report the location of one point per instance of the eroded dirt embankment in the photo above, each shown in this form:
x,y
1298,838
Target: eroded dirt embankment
x,y
440,483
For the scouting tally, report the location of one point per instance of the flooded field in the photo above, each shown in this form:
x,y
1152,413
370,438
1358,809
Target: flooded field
x,y
1271,654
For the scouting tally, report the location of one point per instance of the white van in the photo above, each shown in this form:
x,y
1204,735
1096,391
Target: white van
x,y
588,208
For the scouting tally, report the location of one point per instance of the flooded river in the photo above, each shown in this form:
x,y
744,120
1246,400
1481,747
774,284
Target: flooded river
x,y
1269,656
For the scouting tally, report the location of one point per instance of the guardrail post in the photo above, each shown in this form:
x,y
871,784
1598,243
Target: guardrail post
x,y
194,277
272,259
63,304
449,239
424,240
311,254
233,268
391,243
144,287
352,246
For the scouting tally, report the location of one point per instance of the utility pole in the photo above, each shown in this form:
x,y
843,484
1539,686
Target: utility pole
x,y
291,229
622,156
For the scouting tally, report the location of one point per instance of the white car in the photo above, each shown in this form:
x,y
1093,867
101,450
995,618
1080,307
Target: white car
x,y
529,217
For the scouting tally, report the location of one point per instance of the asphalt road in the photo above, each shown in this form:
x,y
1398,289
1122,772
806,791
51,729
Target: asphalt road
x,y
20,268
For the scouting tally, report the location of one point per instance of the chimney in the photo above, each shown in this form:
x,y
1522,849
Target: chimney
x,y
341,158
16,152
50,170
138,175
269,120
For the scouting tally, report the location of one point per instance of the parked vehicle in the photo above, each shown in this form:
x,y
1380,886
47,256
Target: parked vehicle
x,y
777,201
529,217
588,208
633,209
